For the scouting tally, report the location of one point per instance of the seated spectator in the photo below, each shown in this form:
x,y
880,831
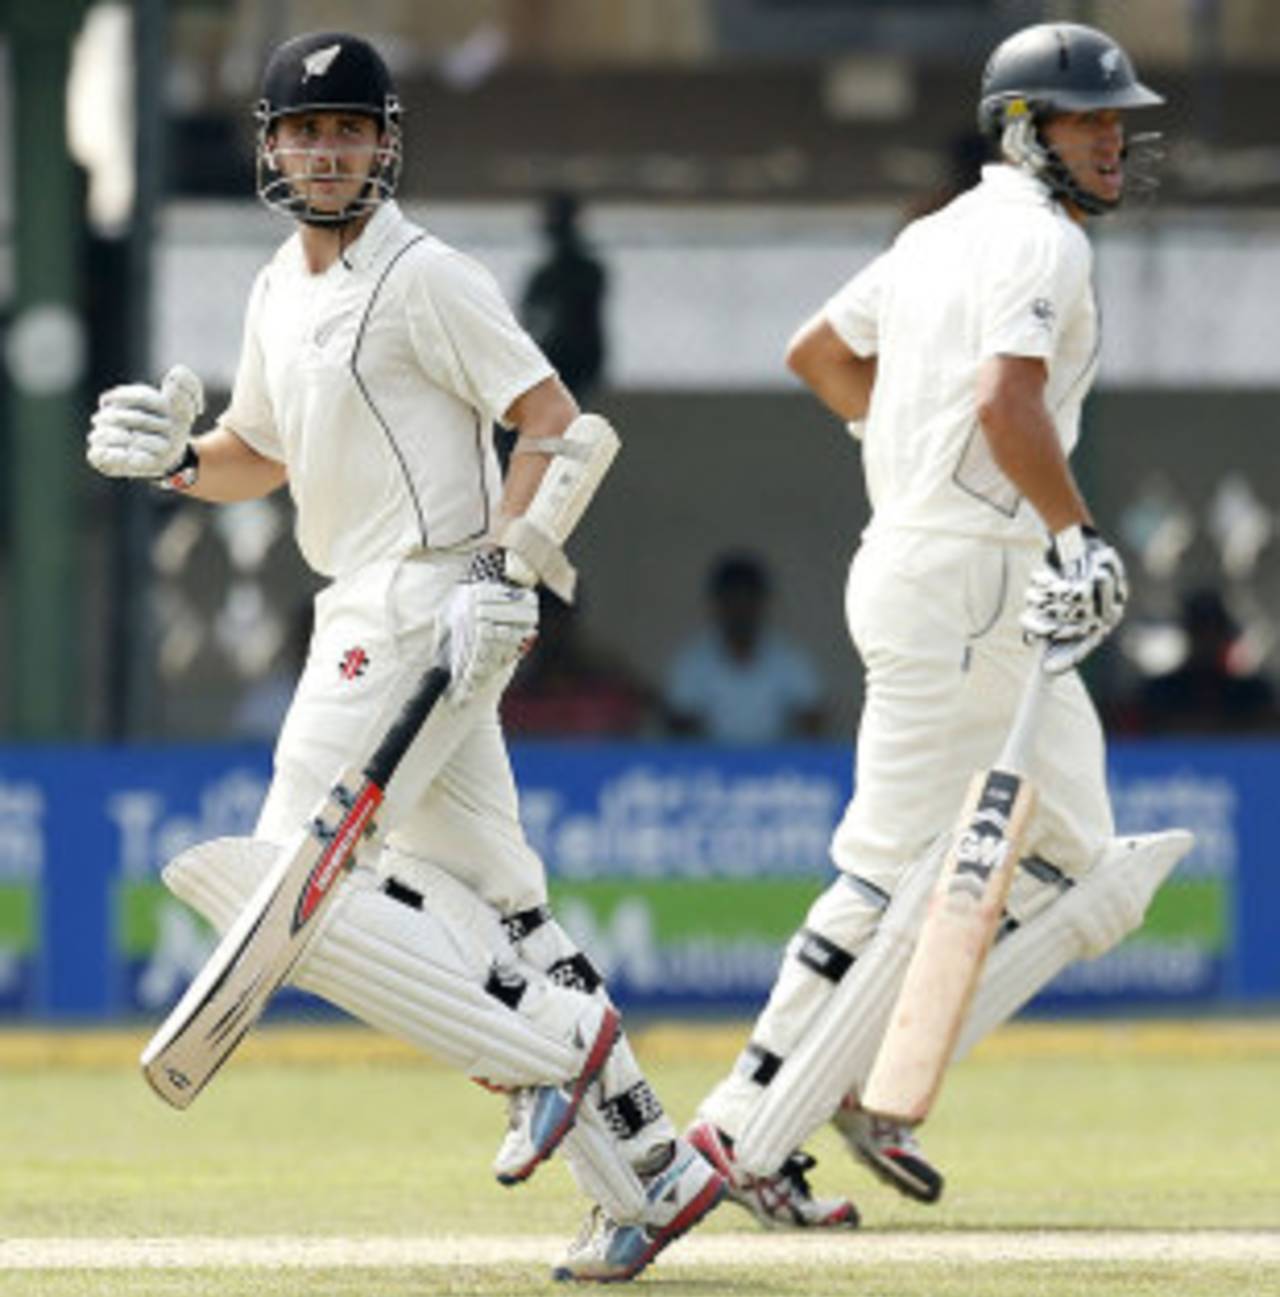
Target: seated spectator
x,y
1208,693
566,687
741,681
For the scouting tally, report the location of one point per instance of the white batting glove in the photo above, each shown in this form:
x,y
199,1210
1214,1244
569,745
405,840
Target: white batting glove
x,y
142,431
489,623
1076,599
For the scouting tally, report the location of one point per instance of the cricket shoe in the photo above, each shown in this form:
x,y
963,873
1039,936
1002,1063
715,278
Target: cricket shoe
x,y
890,1150
540,1116
676,1199
783,1200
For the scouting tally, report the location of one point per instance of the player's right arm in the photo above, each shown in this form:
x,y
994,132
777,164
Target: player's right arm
x,y
231,470
144,432
840,378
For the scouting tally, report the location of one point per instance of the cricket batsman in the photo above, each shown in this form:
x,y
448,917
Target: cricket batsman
x,y
960,359
375,360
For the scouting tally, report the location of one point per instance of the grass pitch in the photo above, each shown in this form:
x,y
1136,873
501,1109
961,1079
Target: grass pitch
x,y
1114,1159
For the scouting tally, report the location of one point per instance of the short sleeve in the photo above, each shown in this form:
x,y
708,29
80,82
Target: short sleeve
x,y
250,415
1036,282
854,312
467,338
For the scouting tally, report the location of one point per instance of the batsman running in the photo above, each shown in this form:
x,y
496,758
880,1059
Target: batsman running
x,y
960,359
375,360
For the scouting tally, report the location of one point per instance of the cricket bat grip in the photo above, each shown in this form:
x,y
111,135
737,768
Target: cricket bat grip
x,y
1015,756
404,729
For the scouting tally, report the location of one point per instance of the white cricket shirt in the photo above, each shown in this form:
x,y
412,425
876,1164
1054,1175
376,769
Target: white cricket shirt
x,y
1001,270
377,383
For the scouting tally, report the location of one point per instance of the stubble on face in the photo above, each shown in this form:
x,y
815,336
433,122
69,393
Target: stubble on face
x,y
1091,146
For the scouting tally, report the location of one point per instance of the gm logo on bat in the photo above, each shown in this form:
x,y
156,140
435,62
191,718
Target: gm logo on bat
x,y
984,844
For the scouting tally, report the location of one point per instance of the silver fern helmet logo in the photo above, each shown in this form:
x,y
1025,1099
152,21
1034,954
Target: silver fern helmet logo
x,y
317,63
1110,60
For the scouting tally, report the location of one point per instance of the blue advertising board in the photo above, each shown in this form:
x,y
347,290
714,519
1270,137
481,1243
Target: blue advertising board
x,y
681,868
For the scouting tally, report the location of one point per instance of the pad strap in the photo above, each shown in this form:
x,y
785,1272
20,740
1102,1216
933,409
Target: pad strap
x,y
758,1064
523,923
628,1113
552,446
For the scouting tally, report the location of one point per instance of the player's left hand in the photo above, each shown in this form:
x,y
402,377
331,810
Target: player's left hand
x,y
489,623
1076,599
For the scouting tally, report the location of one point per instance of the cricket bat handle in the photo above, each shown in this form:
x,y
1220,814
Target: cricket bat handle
x,y
1015,755
404,729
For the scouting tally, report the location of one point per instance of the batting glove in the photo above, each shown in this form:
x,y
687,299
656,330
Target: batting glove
x,y
489,623
144,432
1076,599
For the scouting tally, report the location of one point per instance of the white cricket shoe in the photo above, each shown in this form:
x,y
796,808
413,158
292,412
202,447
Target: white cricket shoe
x,y
539,1117
891,1151
676,1199
783,1200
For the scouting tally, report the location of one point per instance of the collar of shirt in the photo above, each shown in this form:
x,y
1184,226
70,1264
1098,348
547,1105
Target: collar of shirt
x,y
378,231
1011,183
384,222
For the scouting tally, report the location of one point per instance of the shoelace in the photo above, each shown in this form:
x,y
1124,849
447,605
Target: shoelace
x,y
595,1218
517,1102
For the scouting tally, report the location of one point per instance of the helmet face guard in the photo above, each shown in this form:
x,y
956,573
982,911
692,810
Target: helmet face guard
x,y
1050,69
326,72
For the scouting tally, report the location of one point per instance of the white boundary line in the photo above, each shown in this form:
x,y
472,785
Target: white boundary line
x,y
328,1253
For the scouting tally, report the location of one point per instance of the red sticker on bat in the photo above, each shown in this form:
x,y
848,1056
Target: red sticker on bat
x,y
345,839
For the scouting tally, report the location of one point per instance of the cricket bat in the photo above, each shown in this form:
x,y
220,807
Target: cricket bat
x,y
960,924
268,938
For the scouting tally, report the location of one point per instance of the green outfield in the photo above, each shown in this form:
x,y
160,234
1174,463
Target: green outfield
x,y
1117,1159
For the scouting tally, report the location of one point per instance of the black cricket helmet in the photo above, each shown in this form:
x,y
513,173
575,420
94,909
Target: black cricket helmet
x,y
1053,68
327,72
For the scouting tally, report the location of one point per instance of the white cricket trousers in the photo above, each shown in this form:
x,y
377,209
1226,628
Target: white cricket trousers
x,y
453,801
935,620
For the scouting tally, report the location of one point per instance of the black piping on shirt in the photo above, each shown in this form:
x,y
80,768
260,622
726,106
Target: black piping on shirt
x,y
369,401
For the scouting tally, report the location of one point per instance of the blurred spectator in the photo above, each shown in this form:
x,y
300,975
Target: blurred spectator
x,y
741,681
1209,693
563,302
566,687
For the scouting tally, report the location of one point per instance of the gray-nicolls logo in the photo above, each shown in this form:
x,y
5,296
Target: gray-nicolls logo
x,y
319,62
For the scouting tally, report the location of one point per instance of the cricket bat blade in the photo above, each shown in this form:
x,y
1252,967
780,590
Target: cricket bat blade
x,y
960,924
270,934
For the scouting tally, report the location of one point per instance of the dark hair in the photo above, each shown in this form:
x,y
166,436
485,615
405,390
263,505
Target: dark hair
x,y
738,573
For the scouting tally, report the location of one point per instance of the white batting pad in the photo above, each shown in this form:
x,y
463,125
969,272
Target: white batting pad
x,y
550,947
838,1048
844,916
408,972
1103,907
599,1168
